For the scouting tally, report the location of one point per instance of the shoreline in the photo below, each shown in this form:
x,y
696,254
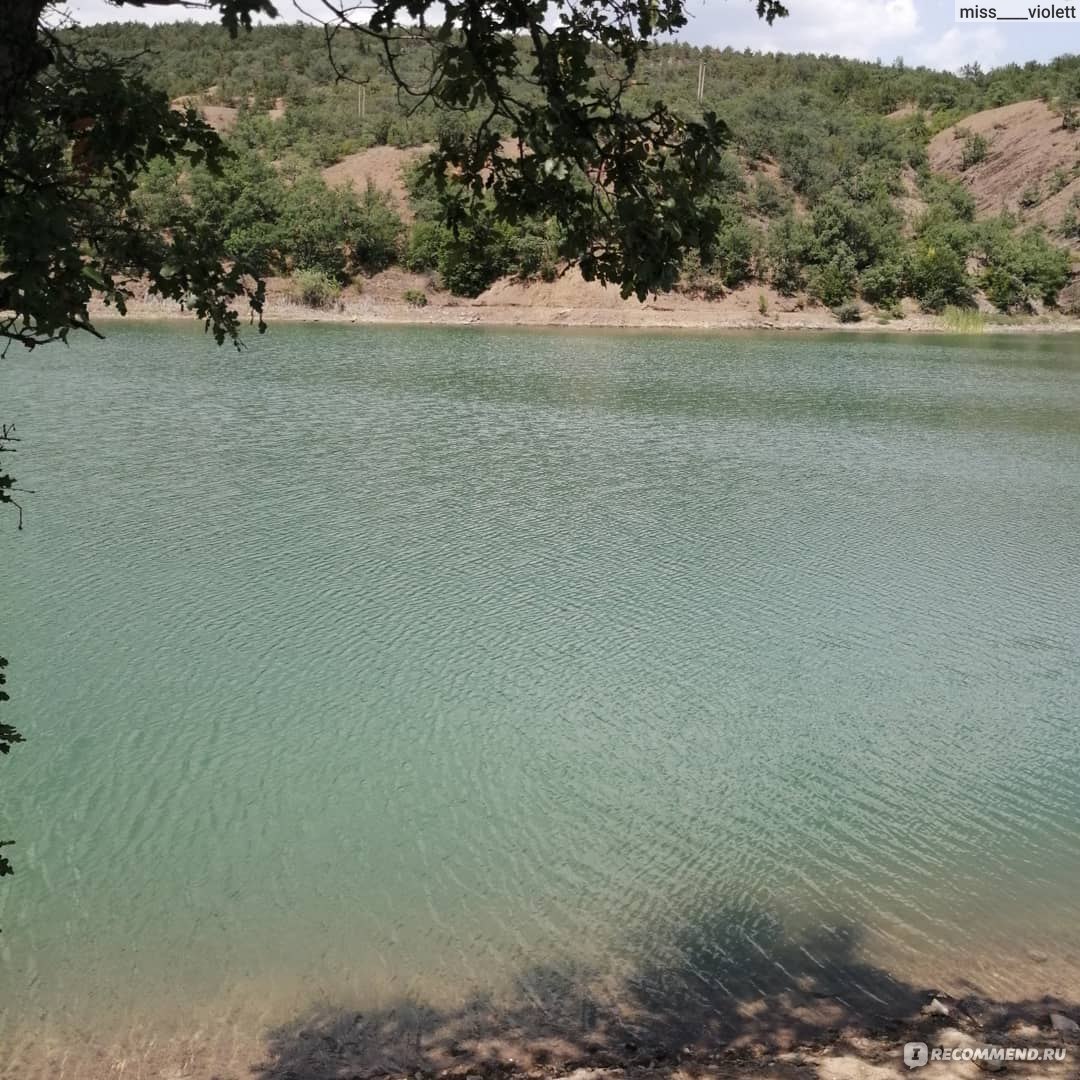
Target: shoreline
x,y
665,314
777,1038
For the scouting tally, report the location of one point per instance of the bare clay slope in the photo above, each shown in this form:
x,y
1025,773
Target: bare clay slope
x,y
1027,144
382,166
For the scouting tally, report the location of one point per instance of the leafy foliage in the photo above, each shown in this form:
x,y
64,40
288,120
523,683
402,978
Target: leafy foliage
x,y
937,275
974,151
72,156
1020,268
9,736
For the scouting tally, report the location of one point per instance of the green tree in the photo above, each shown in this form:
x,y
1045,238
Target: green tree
x,y
9,736
938,275
1069,102
974,150
736,251
1020,268
315,221
77,130
786,246
832,282
884,282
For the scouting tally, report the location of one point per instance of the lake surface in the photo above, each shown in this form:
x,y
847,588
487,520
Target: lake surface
x,y
581,686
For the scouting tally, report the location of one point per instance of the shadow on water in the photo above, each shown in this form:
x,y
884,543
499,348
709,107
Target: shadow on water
x,y
718,989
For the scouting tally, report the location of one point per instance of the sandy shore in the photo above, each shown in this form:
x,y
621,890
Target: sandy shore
x,y
571,302
777,1044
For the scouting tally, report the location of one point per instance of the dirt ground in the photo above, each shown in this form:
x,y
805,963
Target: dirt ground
x,y
829,1040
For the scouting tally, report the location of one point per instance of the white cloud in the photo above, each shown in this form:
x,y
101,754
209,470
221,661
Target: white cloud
x,y
963,45
88,12
922,31
859,28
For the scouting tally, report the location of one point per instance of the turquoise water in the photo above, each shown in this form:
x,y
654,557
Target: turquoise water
x,y
574,675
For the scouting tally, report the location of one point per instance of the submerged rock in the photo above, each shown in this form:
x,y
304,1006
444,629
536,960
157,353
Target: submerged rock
x,y
1066,1027
956,1039
984,1013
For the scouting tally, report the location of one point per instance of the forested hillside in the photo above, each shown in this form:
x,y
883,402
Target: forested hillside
x,y
829,193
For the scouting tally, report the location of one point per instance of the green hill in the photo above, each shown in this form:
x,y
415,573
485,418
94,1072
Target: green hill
x,y
828,189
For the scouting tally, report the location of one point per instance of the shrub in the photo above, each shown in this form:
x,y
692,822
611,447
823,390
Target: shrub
x,y
1030,197
472,260
975,149
883,283
426,243
1019,269
867,231
947,198
1059,180
315,288
415,298
848,313
535,250
697,279
1046,266
834,282
1070,225
373,230
763,304
1005,288
468,262
735,253
768,198
938,276
1069,109
240,203
785,253
529,254
313,222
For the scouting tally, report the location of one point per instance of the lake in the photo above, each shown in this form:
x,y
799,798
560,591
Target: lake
x,y
443,686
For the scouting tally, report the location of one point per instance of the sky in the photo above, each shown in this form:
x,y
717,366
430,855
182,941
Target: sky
x,y
921,31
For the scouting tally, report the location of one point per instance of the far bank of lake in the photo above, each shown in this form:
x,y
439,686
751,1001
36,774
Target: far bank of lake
x,y
570,302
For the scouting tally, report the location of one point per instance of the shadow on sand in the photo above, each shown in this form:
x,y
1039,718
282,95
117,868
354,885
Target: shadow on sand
x,y
720,990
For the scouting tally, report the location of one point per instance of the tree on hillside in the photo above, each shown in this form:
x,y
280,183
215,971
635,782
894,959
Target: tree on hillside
x,y
631,189
78,129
